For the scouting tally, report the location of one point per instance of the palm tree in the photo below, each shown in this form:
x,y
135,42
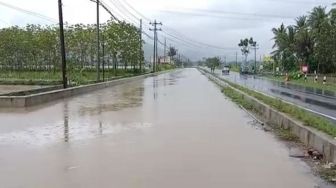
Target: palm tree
x,y
284,38
317,19
304,43
301,23
278,35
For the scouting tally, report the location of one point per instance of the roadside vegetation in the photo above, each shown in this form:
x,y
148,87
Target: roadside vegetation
x,y
31,54
306,117
235,68
330,85
310,41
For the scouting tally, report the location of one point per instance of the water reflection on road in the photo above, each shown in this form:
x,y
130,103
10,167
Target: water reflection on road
x,y
172,130
322,101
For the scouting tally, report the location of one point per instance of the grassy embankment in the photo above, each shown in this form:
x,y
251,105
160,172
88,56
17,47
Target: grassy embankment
x,y
307,118
302,115
331,84
77,77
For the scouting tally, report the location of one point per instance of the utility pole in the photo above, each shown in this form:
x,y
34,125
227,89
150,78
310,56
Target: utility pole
x,y
179,58
236,59
140,48
255,60
103,46
64,67
98,44
165,49
155,55
255,47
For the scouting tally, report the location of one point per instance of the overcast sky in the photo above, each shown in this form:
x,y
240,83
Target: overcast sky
x,y
219,23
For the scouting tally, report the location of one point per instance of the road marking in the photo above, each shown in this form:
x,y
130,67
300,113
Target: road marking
x,y
304,108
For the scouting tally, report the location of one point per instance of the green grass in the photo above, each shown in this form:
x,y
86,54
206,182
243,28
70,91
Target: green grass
x,y
77,77
309,119
165,67
237,98
283,134
327,174
286,135
235,68
331,85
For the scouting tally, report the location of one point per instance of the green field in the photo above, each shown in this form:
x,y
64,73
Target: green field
x,y
76,77
54,78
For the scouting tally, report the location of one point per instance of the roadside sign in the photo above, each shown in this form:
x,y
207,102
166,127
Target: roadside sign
x,y
304,68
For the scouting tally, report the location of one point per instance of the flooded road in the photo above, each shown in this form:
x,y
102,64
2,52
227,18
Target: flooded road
x,y
323,102
173,130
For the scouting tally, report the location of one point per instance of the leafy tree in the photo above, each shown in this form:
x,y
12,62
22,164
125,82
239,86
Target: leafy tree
x,y
310,41
36,48
213,63
245,45
172,52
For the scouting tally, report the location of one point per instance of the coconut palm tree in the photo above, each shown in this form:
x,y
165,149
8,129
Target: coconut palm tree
x,y
284,38
304,43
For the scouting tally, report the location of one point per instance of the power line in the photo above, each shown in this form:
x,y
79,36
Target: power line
x,y
121,9
182,39
29,12
220,12
132,18
127,18
102,4
139,13
5,22
293,1
109,10
125,8
252,17
197,43
182,43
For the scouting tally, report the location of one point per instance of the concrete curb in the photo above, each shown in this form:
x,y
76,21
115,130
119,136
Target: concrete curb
x,y
311,137
45,97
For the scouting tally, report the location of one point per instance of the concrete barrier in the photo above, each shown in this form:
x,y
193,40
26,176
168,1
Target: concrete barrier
x,y
309,136
44,97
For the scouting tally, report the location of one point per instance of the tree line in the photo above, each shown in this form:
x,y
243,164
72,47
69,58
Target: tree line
x,y
310,41
36,47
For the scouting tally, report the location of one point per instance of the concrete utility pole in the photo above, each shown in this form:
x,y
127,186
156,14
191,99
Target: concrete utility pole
x,y
140,47
165,49
103,48
155,54
236,59
255,47
63,55
98,44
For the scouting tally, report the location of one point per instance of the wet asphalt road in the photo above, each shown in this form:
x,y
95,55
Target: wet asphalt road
x,y
173,130
321,101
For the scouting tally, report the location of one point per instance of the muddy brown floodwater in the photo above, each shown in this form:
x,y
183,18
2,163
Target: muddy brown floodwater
x,y
175,130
